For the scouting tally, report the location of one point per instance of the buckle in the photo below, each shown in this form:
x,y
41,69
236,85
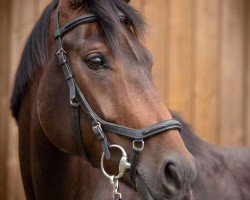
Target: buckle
x,y
74,104
98,131
138,145
61,50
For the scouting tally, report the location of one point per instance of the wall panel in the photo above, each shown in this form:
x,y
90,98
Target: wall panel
x,y
247,74
23,17
180,60
4,100
158,40
232,72
206,59
138,5
24,14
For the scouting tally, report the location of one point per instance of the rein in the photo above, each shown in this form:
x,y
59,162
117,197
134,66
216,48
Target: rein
x,y
99,125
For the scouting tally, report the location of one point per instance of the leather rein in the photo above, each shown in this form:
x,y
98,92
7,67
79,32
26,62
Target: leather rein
x,y
99,125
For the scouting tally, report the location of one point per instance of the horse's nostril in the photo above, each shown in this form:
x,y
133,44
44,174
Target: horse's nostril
x,y
172,175
172,179
177,174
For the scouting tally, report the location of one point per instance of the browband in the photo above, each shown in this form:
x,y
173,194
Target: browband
x,y
88,18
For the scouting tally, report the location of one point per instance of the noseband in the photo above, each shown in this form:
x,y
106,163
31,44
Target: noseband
x,y
99,125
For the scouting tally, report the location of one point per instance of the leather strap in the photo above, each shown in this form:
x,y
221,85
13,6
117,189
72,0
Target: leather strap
x,y
133,169
88,18
77,129
135,134
74,94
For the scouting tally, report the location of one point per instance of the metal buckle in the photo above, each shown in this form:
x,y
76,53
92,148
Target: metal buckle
x,y
123,165
98,131
74,104
136,147
61,50
114,182
97,127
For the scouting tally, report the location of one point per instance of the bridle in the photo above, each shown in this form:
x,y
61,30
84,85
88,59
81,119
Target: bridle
x,y
99,125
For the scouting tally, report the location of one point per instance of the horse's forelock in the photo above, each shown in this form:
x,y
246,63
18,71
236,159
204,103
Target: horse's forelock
x,y
107,11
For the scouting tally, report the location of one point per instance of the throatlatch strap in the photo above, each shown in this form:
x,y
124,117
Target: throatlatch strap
x,y
77,129
133,168
135,161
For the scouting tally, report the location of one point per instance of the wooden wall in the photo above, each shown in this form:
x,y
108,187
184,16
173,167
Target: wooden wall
x,y
17,19
202,69
4,61
201,51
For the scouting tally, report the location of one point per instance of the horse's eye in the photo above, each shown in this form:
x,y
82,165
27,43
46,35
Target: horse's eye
x,y
96,62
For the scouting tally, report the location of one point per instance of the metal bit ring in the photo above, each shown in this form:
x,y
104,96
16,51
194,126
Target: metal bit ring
x,y
123,165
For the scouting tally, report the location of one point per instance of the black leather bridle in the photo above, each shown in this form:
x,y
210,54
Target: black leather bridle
x,y
99,125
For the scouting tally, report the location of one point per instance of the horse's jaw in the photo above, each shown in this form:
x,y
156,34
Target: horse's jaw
x,y
145,194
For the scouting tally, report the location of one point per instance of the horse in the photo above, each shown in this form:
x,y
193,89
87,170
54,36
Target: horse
x,y
223,173
84,93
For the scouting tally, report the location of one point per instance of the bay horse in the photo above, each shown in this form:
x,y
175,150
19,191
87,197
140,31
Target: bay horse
x,y
83,79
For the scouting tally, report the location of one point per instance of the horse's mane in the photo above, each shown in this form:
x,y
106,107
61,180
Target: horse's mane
x,y
35,54
193,143
34,57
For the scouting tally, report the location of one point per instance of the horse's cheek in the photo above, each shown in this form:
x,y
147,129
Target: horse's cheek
x,y
54,112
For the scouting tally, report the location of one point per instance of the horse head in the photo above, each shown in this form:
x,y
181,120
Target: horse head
x,y
108,71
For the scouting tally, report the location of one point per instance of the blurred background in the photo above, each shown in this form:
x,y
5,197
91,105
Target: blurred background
x,y
201,50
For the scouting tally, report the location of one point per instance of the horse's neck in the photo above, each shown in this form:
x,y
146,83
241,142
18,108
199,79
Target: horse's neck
x,y
58,175
47,172
219,169
214,157
223,171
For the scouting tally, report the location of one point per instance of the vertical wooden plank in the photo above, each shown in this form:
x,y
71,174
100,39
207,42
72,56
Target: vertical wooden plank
x,y
247,73
4,100
206,68
232,65
157,15
42,5
137,4
24,15
13,181
181,60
